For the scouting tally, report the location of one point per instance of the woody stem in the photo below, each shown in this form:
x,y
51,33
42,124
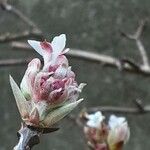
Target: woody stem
x,y
27,138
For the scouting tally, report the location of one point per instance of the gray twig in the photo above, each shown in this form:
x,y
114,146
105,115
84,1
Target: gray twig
x,y
29,136
137,38
112,109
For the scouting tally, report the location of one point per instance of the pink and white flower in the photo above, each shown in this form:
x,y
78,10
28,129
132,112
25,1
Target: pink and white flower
x,y
102,136
96,131
119,132
47,93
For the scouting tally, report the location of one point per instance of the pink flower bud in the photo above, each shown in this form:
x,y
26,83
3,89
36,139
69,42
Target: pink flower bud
x,y
29,77
51,92
96,131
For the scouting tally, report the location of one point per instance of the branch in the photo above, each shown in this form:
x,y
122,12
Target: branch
x,y
87,56
7,7
30,136
116,109
81,118
27,138
125,65
34,31
14,37
121,64
104,59
14,62
136,36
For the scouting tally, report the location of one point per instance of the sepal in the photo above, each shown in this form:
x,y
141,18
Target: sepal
x,y
22,104
59,113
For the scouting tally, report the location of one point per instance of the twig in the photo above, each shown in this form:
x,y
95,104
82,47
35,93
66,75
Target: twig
x,y
105,60
139,105
88,56
81,119
14,62
7,7
29,136
14,37
143,53
34,31
116,109
136,36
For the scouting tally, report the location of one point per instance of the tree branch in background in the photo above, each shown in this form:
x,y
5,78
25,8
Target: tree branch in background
x,y
105,60
139,109
137,37
9,8
88,56
121,64
8,37
33,32
116,109
14,62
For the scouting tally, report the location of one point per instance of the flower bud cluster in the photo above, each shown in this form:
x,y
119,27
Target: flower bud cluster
x,y
47,92
102,136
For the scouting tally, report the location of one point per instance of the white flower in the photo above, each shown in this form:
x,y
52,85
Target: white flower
x,y
95,120
119,132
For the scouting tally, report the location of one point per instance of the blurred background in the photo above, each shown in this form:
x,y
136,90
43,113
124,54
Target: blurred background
x,y
90,25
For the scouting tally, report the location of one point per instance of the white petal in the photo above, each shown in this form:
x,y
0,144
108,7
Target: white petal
x,y
58,45
119,134
95,120
36,45
115,121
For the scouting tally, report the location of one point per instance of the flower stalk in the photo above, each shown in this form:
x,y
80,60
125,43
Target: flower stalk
x,y
29,136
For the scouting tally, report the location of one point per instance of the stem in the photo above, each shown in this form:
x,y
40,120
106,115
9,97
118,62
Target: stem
x,y
27,138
